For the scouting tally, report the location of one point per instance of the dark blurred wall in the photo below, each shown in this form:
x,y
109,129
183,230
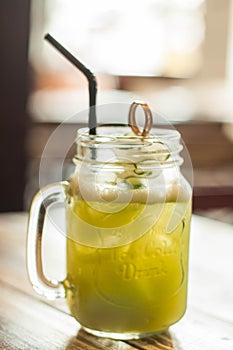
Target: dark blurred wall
x,y
14,33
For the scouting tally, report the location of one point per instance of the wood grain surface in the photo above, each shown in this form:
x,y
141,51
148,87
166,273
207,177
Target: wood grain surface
x,y
28,321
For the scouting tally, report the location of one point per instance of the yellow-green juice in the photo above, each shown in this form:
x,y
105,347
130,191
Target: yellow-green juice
x,y
137,287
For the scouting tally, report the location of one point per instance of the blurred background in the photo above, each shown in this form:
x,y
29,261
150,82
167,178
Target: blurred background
x,y
176,55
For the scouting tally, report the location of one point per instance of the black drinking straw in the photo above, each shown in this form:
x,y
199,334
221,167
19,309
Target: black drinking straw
x,y
92,83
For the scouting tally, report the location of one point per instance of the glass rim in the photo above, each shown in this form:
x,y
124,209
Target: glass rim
x,y
162,146
156,133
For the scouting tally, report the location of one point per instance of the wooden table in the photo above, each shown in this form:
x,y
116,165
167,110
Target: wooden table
x,y
30,322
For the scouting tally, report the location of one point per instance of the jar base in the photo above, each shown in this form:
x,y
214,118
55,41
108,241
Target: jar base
x,y
122,336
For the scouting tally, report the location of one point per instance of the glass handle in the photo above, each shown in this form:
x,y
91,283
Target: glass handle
x,y
46,197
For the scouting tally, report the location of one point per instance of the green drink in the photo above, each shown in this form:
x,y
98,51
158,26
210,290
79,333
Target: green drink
x,y
139,287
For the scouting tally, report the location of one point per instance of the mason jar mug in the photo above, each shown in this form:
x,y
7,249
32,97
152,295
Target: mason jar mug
x,y
128,210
